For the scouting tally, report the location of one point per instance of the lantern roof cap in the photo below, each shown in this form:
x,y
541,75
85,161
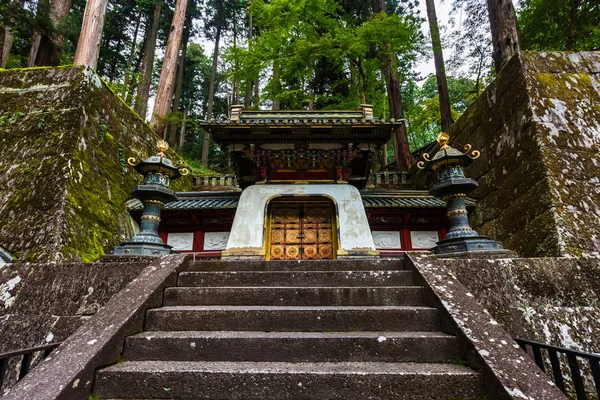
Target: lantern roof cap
x,y
447,155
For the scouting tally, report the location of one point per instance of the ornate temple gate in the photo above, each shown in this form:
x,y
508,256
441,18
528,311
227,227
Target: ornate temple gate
x,y
301,230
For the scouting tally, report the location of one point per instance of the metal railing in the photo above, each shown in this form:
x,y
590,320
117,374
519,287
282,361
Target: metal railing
x,y
574,368
28,355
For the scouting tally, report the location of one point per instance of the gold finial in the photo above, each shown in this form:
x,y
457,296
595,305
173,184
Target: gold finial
x,y
162,147
443,139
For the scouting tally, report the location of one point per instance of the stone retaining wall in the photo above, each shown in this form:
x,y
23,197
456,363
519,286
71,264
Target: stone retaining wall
x,y
45,303
538,127
64,141
550,300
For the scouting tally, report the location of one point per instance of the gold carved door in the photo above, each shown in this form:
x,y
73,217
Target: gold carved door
x,y
301,230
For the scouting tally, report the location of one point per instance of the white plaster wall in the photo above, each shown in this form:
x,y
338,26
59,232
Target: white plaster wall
x,y
247,230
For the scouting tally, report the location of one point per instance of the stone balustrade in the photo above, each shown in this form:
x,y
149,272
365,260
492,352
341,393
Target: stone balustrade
x,y
387,178
217,182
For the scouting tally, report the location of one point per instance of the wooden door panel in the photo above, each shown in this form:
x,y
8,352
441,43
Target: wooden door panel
x,y
301,231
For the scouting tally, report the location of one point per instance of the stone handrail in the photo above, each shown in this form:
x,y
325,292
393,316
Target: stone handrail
x,y
508,372
69,372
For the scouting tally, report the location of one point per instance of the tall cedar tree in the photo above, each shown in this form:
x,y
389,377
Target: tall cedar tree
x,y
503,23
172,130
143,89
88,46
128,72
440,69
219,23
7,31
389,69
48,39
162,105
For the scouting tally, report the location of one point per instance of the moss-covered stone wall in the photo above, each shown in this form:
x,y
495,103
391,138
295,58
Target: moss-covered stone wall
x,y
64,141
538,126
550,300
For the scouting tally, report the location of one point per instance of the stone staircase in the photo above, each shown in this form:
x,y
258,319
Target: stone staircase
x,y
288,330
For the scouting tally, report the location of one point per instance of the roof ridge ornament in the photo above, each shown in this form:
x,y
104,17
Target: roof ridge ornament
x,y
162,147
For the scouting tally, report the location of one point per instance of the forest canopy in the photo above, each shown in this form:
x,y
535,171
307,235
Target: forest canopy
x,y
288,54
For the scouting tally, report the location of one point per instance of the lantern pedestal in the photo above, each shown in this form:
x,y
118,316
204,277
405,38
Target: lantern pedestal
x,y
453,187
158,171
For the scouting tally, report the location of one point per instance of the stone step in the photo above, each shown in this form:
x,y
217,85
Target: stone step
x,y
283,381
281,319
297,278
295,296
316,265
292,346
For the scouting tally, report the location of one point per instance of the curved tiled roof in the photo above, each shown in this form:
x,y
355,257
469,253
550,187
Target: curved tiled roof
x,y
371,199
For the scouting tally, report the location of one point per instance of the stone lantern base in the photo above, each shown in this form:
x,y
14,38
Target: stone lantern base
x,y
471,247
142,249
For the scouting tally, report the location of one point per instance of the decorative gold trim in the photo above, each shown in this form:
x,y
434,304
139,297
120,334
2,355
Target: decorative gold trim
x,y
421,165
453,196
301,195
475,154
342,252
426,156
155,202
468,148
455,212
150,217
184,171
131,161
373,252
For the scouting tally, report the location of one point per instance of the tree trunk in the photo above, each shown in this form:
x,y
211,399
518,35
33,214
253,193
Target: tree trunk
x,y
276,79
440,70
182,133
33,50
133,82
572,25
7,36
143,91
173,128
503,23
113,73
50,43
162,105
389,71
88,46
211,96
248,96
130,58
235,90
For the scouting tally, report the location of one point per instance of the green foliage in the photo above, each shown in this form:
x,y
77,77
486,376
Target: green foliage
x,y
471,43
199,169
545,25
318,53
423,107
